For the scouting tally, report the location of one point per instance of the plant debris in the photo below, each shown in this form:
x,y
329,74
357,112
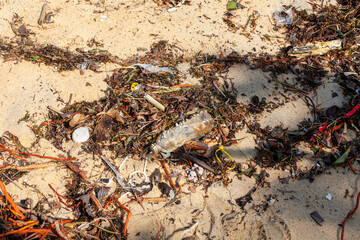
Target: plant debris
x,y
150,115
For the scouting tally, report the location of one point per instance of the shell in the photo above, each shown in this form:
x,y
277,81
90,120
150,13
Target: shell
x,y
81,135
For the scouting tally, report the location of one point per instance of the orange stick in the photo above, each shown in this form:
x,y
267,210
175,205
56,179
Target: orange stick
x,y
44,236
26,231
12,203
27,226
320,148
52,122
183,85
349,215
337,127
60,222
18,157
35,155
168,173
127,217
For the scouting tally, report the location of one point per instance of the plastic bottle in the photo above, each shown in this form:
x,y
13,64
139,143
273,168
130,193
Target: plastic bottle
x,y
187,130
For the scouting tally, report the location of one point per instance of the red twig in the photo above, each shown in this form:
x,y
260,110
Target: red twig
x,y
52,122
60,197
123,109
351,166
316,5
348,216
34,155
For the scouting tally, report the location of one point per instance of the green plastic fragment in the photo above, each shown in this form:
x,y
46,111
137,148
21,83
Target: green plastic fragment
x,y
36,57
232,5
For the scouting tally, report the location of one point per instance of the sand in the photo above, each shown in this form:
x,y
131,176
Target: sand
x,y
129,27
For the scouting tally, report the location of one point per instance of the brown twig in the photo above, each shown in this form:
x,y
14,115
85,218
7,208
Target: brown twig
x,y
30,167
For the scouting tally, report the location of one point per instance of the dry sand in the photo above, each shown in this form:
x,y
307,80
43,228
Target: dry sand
x,y
128,27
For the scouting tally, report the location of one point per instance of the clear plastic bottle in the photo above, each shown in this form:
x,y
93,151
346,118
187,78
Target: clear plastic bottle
x,y
187,130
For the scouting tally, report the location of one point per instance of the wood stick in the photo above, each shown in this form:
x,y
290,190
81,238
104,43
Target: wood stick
x,y
154,102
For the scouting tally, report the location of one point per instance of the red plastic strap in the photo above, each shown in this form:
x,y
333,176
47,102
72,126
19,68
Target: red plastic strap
x,y
349,114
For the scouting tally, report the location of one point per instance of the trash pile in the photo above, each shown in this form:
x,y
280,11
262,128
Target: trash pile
x,y
148,114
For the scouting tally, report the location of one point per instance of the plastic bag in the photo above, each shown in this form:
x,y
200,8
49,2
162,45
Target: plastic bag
x,y
284,16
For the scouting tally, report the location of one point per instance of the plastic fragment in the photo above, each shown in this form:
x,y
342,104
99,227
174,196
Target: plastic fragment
x,y
177,136
328,196
119,179
317,48
232,5
218,159
152,68
283,16
172,9
317,218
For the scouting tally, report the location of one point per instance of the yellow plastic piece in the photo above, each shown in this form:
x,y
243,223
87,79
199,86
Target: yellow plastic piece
x,y
217,158
133,86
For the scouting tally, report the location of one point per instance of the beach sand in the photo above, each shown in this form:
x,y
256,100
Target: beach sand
x,y
126,28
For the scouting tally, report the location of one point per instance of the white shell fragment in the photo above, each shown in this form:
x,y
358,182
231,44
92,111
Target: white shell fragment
x,y
81,135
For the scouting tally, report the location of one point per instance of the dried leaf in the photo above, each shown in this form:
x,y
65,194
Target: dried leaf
x,y
103,128
77,119
343,157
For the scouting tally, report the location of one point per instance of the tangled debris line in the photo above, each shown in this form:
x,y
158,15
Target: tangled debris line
x,y
23,47
325,23
147,105
142,101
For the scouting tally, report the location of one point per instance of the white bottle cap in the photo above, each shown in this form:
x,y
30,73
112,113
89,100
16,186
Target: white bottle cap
x,y
81,135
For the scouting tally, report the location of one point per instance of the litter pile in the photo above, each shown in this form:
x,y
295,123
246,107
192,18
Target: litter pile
x,y
149,114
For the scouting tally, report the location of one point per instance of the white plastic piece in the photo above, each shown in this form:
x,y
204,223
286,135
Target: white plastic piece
x,y
191,175
171,194
283,16
119,178
131,174
328,196
81,135
172,9
152,68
